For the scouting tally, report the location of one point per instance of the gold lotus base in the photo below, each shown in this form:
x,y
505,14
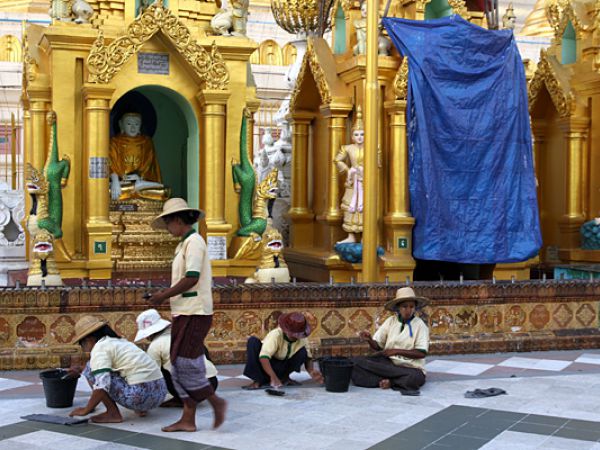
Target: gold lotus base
x,y
135,244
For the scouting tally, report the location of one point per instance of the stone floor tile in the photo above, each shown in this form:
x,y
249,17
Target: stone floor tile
x,y
558,443
535,363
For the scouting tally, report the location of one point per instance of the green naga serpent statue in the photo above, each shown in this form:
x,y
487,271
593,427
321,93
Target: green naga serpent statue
x,y
253,206
56,172
45,218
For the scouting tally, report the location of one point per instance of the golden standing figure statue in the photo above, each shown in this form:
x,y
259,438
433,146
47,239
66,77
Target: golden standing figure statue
x,y
134,168
350,160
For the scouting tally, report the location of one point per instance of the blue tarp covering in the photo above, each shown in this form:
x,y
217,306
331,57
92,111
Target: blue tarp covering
x,y
472,182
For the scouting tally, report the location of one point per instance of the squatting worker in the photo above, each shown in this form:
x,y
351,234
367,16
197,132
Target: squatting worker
x,y
118,371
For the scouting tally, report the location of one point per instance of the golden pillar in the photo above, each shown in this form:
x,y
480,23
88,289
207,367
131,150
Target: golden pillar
x,y
98,228
575,130
369,240
40,99
538,130
213,104
336,114
252,106
398,220
301,215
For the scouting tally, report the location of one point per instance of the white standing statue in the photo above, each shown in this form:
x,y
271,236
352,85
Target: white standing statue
x,y
360,26
78,11
282,159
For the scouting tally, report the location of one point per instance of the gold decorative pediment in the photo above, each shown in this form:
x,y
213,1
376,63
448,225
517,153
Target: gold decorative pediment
x,y
563,99
104,61
318,73
299,80
559,13
311,61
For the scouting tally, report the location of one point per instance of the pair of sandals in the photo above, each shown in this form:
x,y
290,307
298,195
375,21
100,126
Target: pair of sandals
x,y
253,387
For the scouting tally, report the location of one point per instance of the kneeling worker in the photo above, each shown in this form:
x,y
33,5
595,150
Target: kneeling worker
x,y
282,351
157,330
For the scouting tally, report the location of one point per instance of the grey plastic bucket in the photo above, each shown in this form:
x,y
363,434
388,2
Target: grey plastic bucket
x,y
59,388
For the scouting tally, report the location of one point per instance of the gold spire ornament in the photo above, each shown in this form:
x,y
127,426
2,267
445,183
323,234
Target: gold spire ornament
x,y
358,122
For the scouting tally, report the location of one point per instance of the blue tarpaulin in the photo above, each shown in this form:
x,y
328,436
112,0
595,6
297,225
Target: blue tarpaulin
x,y
471,174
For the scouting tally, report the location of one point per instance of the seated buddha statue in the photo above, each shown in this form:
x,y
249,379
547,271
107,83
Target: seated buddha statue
x,y
134,168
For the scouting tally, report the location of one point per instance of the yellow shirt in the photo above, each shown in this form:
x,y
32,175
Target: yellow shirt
x,y
160,348
276,345
120,355
191,259
391,335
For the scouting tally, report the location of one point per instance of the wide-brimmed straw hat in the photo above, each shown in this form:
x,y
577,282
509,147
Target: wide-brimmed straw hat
x,y
172,206
294,324
148,323
405,294
87,325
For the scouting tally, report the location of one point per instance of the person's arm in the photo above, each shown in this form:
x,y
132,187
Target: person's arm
x,y
95,399
366,336
412,354
266,365
183,285
312,371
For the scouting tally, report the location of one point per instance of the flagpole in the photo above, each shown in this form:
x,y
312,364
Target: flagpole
x,y
369,240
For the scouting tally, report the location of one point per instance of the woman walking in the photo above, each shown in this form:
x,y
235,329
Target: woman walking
x,y
191,308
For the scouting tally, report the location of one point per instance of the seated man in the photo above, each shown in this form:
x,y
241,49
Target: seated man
x,y
282,352
401,344
158,331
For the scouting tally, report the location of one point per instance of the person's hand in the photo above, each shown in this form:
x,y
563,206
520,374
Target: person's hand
x,y
388,352
133,177
115,190
79,412
276,382
154,299
316,376
365,335
74,371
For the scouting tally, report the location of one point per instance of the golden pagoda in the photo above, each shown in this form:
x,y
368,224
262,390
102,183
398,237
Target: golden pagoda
x,y
191,87
564,95
330,87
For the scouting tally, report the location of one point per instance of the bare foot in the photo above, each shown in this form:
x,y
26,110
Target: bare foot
x,y
385,384
141,413
220,407
107,417
179,426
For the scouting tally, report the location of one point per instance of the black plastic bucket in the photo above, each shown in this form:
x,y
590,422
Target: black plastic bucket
x,y
59,388
337,372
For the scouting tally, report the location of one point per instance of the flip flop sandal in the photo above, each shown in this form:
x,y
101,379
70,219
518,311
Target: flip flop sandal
x,y
255,388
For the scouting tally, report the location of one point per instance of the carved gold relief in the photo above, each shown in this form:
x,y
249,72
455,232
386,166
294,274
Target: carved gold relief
x,y
459,7
104,61
299,81
559,14
311,60
401,80
545,76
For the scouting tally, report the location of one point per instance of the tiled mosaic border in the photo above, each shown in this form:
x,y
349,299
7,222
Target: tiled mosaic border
x,y
36,326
